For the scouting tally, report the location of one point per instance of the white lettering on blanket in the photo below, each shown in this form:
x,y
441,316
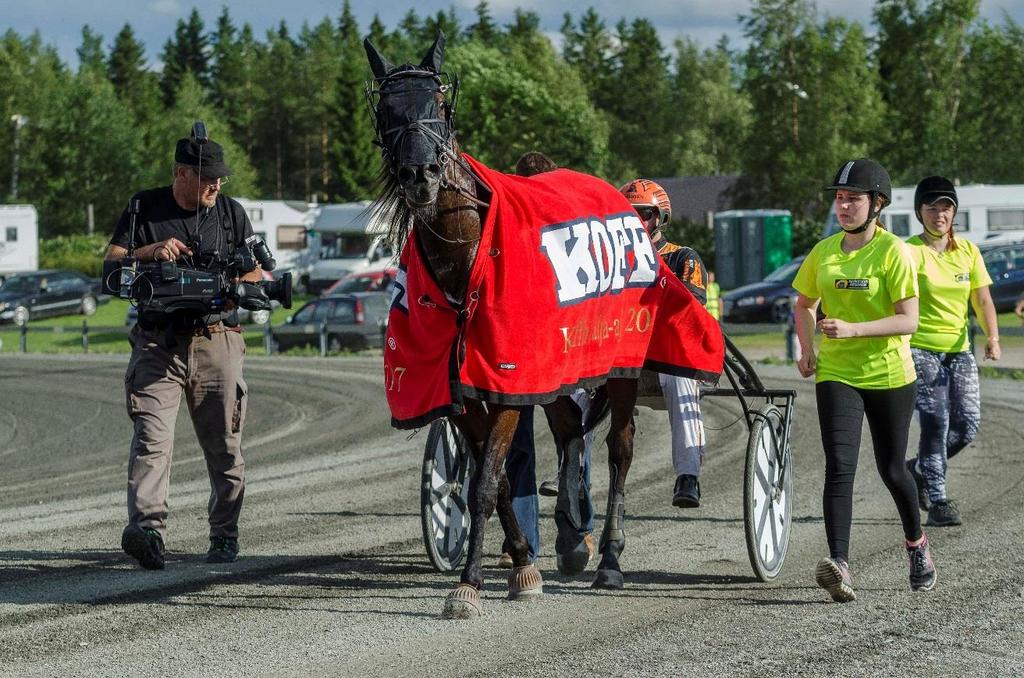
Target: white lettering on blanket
x,y
596,256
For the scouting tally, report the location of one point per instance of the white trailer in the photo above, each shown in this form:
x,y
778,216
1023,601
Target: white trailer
x,y
284,224
19,239
987,213
348,238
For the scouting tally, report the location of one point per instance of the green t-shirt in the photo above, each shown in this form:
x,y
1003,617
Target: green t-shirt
x,y
857,287
946,280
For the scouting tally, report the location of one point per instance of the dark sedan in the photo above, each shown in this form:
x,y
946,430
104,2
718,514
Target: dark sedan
x,y
765,301
25,296
1005,264
352,321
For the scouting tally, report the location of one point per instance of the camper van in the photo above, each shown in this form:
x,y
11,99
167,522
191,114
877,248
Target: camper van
x,y
346,238
284,225
19,239
987,214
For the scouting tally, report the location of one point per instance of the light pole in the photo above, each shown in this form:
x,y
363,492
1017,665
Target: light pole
x,y
19,122
798,93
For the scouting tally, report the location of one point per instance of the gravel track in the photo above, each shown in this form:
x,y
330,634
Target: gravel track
x,y
334,579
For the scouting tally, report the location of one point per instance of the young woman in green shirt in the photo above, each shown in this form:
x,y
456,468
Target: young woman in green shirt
x,y
951,273
865,280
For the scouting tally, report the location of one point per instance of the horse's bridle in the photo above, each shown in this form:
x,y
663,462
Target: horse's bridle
x,y
442,143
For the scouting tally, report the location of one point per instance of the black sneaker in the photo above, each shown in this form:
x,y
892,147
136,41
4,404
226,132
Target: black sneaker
x,y
144,545
943,514
834,576
922,488
687,493
922,567
222,550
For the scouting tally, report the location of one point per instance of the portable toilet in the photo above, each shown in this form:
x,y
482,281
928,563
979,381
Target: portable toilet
x,y
750,244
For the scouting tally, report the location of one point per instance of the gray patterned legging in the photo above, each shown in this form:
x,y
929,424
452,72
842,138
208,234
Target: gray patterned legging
x,y
949,407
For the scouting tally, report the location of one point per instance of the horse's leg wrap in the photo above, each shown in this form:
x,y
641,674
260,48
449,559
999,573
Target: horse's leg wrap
x,y
613,542
571,550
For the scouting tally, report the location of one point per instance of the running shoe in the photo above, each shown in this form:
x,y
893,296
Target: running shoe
x,y
834,576
222,550
922,488
922,567
144,545
943,513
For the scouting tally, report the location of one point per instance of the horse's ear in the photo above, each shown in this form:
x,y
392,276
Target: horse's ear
x,y
378,64
434,58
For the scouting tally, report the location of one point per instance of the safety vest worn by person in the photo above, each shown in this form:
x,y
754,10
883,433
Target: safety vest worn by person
x,y
714,294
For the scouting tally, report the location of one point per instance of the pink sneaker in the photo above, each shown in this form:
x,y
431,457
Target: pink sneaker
x,y
922,567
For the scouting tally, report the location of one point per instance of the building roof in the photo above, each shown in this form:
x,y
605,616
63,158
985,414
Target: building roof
x,y
694,197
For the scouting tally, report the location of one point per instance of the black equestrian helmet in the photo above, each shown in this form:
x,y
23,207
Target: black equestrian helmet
x,y
863,175
931,189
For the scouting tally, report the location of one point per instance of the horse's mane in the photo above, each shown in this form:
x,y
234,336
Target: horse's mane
x,y
390,208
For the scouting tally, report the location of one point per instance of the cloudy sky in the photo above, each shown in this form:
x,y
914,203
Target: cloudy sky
x,y
60,21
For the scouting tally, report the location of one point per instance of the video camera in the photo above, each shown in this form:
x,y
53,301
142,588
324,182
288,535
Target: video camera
x,y
207,285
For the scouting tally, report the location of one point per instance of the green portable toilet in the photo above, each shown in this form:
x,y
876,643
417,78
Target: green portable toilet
x,y
750,244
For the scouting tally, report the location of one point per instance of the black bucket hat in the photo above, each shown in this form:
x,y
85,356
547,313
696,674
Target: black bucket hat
x,y
207,157
931,189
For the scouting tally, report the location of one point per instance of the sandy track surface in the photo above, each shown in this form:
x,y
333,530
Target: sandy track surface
x,y
334,579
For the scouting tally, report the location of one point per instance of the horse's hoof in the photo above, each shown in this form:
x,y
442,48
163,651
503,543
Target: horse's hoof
x,y
574,562
525,583
462,603
608,579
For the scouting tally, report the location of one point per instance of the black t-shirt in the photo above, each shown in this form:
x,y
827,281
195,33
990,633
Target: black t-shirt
x,y
220,228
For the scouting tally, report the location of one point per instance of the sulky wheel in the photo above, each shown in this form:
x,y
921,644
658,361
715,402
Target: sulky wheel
x,y
767,493
444,496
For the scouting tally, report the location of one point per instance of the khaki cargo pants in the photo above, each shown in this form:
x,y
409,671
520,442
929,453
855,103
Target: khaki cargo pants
x,y
208,370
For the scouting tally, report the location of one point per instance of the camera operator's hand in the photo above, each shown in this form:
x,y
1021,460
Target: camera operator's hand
x,y
168,250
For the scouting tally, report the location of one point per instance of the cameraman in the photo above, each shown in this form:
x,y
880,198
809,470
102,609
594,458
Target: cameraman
x,y
185,351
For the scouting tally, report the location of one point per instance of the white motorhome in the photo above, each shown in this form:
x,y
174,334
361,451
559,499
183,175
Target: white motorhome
x,y
987,213
346,238
284,225
19,239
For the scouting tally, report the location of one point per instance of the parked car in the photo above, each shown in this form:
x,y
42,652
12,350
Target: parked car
x,y
367,281
27,296
765,301
1005,263
354,321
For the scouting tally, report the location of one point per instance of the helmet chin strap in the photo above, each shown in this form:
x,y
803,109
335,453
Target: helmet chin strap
x,y
871,217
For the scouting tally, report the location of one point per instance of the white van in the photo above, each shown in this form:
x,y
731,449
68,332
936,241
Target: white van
x,y
987,213
346,238
19,239
283,224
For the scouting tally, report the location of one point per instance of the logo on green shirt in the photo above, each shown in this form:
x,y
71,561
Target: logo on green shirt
x,y
963,277
852,284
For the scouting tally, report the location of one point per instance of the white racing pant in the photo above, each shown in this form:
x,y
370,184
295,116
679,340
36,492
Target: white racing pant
x,y
682,400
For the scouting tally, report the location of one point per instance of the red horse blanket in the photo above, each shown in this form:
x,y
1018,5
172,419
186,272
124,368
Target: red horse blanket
x,y
566,291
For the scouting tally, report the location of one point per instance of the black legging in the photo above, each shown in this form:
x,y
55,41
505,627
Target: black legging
x,y
841,410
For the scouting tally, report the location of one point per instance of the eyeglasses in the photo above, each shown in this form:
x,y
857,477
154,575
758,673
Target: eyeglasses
x,y
210,180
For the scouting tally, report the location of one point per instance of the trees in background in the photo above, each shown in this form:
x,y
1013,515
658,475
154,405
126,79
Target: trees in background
x,y
929,88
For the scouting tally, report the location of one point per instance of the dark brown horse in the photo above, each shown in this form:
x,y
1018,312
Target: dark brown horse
x,y
431,194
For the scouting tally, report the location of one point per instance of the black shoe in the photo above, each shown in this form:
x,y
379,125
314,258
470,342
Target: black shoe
x,y
687,494
222,550
922,488
943,514
549,488
144,545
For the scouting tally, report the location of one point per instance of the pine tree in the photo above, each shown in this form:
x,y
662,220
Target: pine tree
x,y
90,52
354,156
484,29
186,53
